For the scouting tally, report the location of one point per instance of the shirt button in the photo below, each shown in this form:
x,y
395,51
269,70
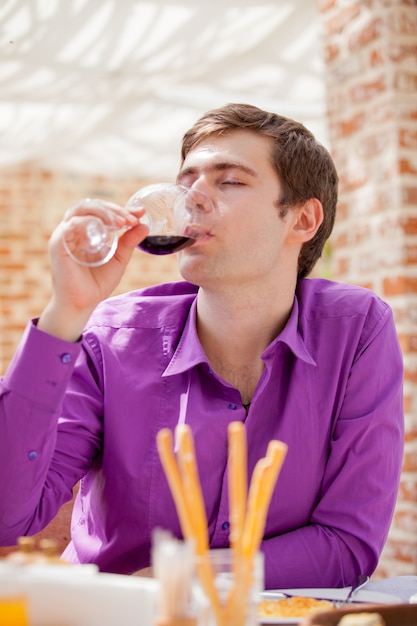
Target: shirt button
x,y
232,406
65,358
225,526
32,455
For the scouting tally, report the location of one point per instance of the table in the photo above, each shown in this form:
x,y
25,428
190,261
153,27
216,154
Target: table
x,y
402,586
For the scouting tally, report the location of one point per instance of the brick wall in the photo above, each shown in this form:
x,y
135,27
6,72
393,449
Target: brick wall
x,y
32,202
371,75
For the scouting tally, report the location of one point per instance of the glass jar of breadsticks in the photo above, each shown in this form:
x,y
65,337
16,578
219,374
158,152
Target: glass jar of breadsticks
x,y
234,600
234,603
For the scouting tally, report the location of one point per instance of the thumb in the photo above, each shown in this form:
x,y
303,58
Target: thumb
x,y
130,240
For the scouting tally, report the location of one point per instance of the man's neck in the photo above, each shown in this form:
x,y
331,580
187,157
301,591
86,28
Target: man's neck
x,y
239,326
235,328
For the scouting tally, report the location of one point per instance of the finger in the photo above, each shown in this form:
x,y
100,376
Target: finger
x,y
129,241
132,237
109,212
87,205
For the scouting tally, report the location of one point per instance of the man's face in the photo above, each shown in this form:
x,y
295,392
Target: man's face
x,y
247,240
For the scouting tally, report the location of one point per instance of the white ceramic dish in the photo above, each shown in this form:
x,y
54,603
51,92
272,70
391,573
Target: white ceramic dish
x,y
77,597
336,595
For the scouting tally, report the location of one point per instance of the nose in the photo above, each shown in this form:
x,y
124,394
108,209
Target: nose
x,y
199,201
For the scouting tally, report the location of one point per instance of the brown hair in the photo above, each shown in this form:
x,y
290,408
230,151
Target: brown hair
x,y
304,167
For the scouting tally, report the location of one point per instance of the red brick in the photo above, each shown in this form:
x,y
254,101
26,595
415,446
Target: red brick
x,y
374,204
337,23
14,267
408,113
405,166
366,35
406,22
410,375
352,180
377,57
411,433
409,225
410,463
405,82
361,234
362,92
372,145
382,113
352,125
408,138
402,551
408,343
341,267
409,195
340,240
331,52
14,326
326,5
406,520
46,176
408,403
408,490
410,255
399,52
399,285
342,210
365,284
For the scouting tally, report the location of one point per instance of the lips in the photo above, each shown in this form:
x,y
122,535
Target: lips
x,y
196,231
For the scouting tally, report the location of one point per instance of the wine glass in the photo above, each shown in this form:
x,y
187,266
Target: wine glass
x,y
90,235
175,215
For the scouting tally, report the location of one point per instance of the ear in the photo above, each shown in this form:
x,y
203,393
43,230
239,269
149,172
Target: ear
x,y
307,220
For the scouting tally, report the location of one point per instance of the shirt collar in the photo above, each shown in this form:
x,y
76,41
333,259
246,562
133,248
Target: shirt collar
x,y
189,351
292,337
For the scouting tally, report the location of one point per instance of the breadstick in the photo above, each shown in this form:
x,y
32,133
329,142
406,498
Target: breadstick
x,y
238,482
191,527
165,447
261,488
244,557
264,477
192,487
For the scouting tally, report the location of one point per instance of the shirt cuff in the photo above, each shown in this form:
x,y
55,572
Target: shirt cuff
x,y
42,366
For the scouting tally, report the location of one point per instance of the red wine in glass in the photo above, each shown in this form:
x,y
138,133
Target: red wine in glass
x,y
165,244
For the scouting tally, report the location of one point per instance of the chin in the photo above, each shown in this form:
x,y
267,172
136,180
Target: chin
x,y
193,270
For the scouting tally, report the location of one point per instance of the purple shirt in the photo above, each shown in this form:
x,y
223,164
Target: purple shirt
x,y
331,389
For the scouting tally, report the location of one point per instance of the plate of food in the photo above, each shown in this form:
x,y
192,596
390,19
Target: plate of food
x,y
290,606
275,608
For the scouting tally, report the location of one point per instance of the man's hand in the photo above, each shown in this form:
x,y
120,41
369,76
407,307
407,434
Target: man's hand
x,y
78,289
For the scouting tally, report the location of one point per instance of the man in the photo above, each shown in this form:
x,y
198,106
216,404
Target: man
x,y
247,337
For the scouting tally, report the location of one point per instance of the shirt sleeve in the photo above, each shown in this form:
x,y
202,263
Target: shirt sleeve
x,y
350,523
31,395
